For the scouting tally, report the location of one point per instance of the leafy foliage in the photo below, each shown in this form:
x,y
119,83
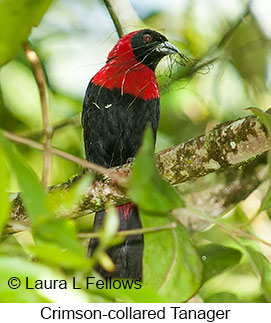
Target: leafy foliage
x,y
217,258
226,261
16,20
222,298
263,267
171,263
158,195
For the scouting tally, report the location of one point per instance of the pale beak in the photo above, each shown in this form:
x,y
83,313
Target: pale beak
x,y
167,48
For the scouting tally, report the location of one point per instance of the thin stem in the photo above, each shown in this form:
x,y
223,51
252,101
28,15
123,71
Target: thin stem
x,y
126,233
40,78
74,121
114,18
231,230
77,160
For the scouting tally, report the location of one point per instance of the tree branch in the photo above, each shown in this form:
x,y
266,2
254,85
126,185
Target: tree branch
x,y
114,18
216,193
71,121
227,145
230,144
39,75
131,232
60,153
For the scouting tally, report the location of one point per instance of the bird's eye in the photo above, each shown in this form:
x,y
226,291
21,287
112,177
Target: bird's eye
x,y
147,37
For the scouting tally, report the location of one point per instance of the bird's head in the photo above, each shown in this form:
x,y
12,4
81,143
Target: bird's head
x,y
146,46
131,63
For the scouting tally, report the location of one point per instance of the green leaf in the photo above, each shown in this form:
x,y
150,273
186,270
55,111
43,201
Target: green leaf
x,y
216,259
4,205
21,268
263,267
45,225
171,265
17,17
55,255
144,294
61,201
110,226
107,238
222,298
33,193
60,231
252,66
264,118
237,217
150,192
266,202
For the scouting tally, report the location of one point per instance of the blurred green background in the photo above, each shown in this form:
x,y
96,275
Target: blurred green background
x,y
73,40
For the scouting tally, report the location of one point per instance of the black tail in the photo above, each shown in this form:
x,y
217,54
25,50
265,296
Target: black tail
x,y
127,256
